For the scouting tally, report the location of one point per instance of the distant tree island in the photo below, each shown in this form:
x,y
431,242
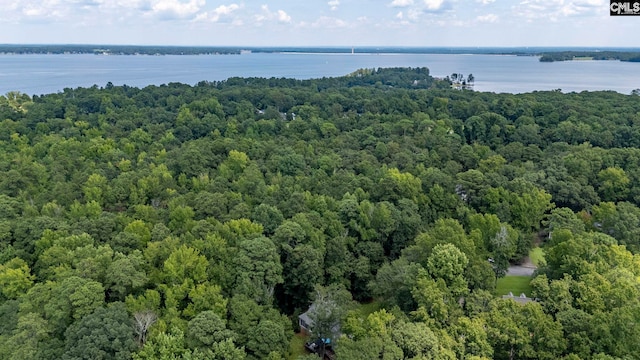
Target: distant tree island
x,y
631,56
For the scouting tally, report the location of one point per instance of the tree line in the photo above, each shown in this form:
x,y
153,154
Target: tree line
x,y
115,49
631,56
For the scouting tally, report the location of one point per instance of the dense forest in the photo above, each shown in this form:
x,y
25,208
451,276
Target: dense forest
x,y
198,222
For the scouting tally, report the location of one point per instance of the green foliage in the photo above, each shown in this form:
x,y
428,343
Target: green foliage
x,y
296,348
537,257
394,283
447,262
163,346
206,329
268,337
15,278
302,270
416,340
257,269
105,333
371,348
523,331
31,339
474,341
185,264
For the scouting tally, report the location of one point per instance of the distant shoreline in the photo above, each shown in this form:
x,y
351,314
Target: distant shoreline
x,y
630,56
546,53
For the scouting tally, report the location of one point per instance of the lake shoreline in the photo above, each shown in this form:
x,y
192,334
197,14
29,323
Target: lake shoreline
x,y
110,49
36,74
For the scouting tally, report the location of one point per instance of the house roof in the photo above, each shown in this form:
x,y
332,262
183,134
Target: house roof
x,y
522,299
307,320
305,316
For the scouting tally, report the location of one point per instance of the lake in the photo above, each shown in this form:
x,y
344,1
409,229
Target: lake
x,y
41,74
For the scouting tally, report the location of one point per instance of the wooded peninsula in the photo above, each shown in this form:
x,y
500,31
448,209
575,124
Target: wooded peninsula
x,y
201,222
590,55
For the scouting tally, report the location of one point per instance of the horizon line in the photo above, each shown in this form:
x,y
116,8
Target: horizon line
x,y
331,46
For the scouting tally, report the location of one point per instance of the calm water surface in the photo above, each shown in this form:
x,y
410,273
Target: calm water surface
x,y
41,74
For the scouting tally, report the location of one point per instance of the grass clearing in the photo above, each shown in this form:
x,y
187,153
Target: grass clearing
x,y
364,309
296,346
515,284
537,257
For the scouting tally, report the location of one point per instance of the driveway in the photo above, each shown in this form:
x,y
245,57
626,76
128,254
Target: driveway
x,y
526,269
521,270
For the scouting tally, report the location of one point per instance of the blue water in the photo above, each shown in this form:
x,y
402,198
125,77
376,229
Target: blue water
x,y
41,74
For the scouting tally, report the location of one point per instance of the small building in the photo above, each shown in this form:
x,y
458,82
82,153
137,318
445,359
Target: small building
x,y
522,299
306,323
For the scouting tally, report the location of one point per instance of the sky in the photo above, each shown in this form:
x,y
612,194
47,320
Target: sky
x,y
351,23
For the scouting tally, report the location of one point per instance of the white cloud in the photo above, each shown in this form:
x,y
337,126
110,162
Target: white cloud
x,y
389,22
433,5
489,18
8,5
408,16
32,10
218,13
176,9
591,3
265,13
437,6
401,3
101,10
268,15
555,9
413,14
283,16
226,9
327,22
